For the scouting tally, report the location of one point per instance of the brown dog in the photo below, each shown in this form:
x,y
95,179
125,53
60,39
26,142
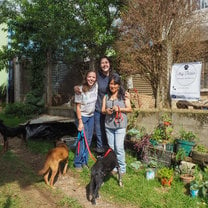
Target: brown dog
x,y
56,155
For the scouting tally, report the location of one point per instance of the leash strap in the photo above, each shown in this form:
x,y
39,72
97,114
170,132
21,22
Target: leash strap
x,y
88,146
79,137
119,116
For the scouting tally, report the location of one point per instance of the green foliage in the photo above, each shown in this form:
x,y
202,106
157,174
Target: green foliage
x,y
136,133
137,191
158,134
21,110
201,148
165,172
34,98
82,29
187,135
136,165
132,120
3,89
164,130
166,118
181,154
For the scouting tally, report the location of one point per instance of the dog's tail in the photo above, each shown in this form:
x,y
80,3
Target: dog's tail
x,y
44,169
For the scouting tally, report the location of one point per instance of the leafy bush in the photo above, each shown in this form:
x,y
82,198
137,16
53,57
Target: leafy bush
x,y
3,89
187,135
21,110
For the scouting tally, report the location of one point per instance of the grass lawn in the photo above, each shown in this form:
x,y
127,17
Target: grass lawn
x,y
137,190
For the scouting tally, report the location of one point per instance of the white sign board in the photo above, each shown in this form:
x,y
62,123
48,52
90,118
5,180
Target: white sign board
x,y
185,81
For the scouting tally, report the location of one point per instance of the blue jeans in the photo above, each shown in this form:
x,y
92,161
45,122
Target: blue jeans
x,y
81,157
116,142
100,129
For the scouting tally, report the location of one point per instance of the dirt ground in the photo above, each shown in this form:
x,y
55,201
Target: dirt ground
x,y
35,195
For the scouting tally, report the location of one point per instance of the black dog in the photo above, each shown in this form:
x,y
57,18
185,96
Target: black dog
x,y
19,131
106,162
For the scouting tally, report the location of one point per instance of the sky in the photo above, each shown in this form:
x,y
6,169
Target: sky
x,y
3,77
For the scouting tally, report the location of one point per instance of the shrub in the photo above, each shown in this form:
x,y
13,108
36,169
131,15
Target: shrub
x,y
19,109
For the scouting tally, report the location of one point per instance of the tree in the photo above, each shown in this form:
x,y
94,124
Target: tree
x,y
154,35
50,29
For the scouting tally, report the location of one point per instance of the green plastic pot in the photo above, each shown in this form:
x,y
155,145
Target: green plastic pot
x,y
186,145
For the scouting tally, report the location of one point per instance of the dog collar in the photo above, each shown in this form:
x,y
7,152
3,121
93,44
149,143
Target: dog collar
x,y
108,151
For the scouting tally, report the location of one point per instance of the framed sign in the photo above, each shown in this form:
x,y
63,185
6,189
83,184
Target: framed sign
x,y
185,81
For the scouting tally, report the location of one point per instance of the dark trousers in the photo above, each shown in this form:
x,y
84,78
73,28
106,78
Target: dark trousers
x,y
100,129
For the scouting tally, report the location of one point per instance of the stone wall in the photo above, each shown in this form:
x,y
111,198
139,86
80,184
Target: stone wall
x,y
195,121
191,120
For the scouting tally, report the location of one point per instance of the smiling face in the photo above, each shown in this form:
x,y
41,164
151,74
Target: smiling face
x,y
114,87
105,66
91,78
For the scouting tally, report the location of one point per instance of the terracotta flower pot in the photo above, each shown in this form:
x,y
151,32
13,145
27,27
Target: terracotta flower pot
x,y
186,178
166,182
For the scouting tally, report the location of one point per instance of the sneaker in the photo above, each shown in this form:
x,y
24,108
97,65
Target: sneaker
x,y
85,166
78,169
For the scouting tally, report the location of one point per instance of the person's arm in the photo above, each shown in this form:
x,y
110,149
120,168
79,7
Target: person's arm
x,y
77,89
104,109
127,108
79,116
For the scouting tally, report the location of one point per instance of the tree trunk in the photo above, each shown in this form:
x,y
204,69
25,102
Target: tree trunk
x,y
48,81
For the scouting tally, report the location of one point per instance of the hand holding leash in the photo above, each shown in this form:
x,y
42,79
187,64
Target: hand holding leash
x,y
119,116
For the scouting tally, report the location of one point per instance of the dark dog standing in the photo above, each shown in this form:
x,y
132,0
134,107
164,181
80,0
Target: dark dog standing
x,y
9,132
105,163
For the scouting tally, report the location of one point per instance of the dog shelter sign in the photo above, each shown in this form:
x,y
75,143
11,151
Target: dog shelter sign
x,y
185,81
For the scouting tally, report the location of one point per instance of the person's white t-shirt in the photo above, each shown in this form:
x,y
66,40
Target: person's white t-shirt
x,y
87,101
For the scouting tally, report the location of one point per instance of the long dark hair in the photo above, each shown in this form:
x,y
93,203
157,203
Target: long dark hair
x,y
117,80
85,86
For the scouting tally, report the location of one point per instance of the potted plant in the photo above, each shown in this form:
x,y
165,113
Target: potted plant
x,y
158,135
200,154
165,175
142,146
162,137
166,119
151,169
135,134
186,141
186,170
204,189
194,189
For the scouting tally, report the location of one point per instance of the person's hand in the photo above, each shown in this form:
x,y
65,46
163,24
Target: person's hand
x,y
80,126
115,108
109,111
77,90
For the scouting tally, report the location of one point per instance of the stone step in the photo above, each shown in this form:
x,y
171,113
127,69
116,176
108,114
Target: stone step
x,y
62,111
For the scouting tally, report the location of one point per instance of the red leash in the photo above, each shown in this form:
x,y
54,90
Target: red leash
x,y
88,146
119,116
